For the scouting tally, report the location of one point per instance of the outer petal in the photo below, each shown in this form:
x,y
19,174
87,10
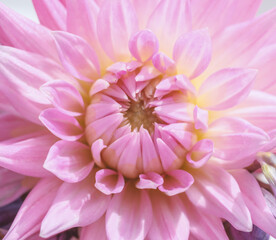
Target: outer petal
x,y
117,21
13,126
94,231
265,61
51,14
22,73
11,185
64,96
217,193
129,214
192,53
169,20
216,15
226,88
82,21
255,201
202,225
80,60
144,9
69,161
30,36
235,140
61,125
26,154
33,210
80,204
169,218
252,36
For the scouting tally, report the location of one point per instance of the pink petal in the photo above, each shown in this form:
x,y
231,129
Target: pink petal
x,y
201,118
28,219
103,128
64,96
98,86
69,161
182,133
13,24
143,45
235,139
175,83
217,193
264,62
82,21
175,112
252,35
169,20
204,226
61,125
176,181
116,23
149,180
80,60
168,158
95,230
51,14
255,201
192,53
200,153
151,161
96,150
169,218
217,15
147,73
226,88
163,63
109,181
144,9
13,126
74,199
26,154
11,185
130,163
129,214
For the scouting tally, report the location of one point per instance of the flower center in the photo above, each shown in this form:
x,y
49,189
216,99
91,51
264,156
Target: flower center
x,y
139,114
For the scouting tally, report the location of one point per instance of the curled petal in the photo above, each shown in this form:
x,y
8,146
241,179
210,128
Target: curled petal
x,y
149,180
64,96
69,161
109,181
143,45
176,181
163,63
201,118
200,153
61,125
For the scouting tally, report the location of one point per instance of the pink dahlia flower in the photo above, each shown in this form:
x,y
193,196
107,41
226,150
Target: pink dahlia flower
x,y
137,118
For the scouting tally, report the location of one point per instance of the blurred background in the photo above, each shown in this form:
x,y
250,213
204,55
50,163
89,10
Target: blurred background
x,y
25,7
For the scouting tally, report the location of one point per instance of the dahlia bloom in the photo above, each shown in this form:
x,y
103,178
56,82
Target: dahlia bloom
x,y
137,119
